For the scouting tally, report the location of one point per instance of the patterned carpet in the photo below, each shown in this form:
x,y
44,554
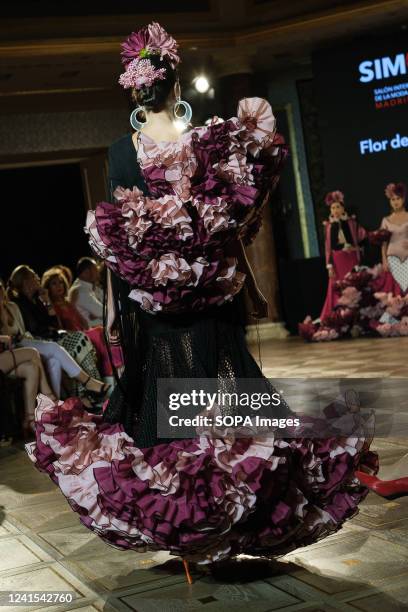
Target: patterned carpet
x,y
362,567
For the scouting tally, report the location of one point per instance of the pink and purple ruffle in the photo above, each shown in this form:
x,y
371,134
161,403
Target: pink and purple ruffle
x,y
205,499
205,190
369,302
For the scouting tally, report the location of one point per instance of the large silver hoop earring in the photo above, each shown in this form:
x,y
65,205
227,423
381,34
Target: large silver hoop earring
x,y
188,111
134,121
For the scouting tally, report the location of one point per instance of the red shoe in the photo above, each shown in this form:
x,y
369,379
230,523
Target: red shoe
x,y
391,489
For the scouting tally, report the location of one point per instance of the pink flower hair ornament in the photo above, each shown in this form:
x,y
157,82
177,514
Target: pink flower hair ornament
x,y
136,51
396,189
141,73
150,40
334,196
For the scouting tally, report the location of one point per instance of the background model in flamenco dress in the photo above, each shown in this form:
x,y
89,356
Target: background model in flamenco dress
x,y
372,300
395,253
343,237
170,239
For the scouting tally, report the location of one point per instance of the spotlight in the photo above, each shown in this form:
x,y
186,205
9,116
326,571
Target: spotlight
x,y
179,125
201,84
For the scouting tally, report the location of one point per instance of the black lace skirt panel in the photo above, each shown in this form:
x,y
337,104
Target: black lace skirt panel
x,y
205,344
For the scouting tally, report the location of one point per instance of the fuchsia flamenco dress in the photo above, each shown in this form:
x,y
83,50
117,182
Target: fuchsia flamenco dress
x,y
167,244
340,233
368,301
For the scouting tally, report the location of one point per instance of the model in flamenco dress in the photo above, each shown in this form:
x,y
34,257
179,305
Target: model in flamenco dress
x,y
343,237
395,251
372,301
172,237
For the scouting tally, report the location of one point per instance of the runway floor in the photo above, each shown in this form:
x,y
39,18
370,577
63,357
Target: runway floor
x,y
362,567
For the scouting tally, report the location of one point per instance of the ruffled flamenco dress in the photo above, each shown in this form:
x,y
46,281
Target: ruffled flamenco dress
x,y
370,301
176,283
340,233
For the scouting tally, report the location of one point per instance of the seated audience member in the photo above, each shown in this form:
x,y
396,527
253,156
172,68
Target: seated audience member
x,y
55,283
25,363
70,319
82,293
67,273
32,321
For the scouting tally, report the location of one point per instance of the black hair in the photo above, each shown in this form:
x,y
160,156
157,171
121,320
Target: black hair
x,y
154,98
83,264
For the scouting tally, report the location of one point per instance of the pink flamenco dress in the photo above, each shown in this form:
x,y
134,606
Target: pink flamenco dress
x,y
169,243
395,280
340,235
